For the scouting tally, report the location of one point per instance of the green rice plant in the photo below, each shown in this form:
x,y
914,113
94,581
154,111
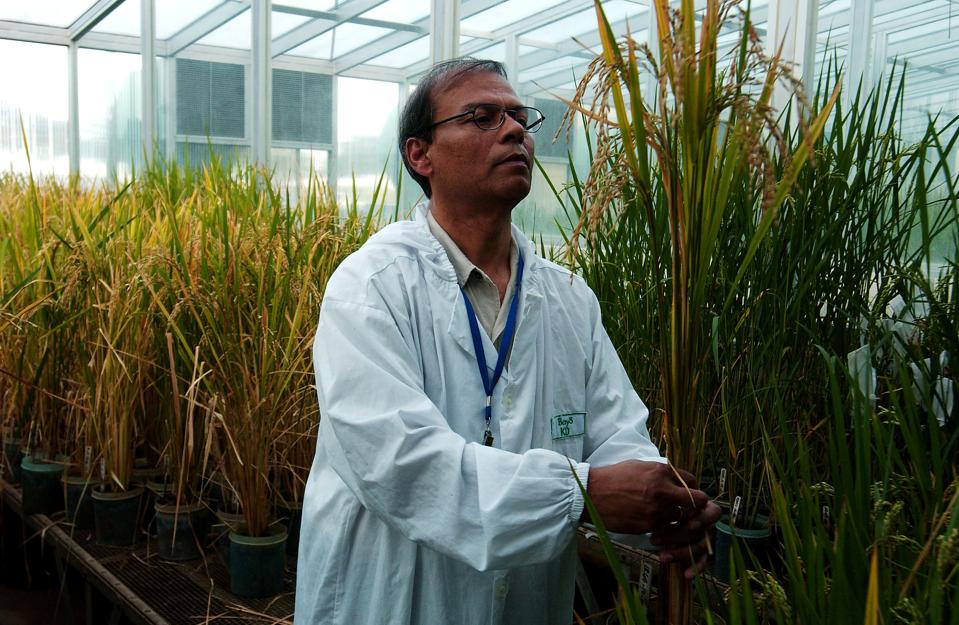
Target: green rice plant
x,y
684,161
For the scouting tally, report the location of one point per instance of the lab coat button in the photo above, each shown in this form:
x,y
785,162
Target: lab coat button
x,y
501,589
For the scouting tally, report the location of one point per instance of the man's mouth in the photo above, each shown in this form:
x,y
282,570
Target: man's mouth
x,y
516,158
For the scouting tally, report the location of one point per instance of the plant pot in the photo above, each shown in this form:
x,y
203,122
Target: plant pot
x,y
115,517
755,539
12,457
220,532
290,515
42,492
257,563
181,530
78,497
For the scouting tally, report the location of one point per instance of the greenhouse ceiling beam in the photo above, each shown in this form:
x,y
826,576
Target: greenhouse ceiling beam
x,y
91,17
362,21
36,33
319,25
395,40
204,25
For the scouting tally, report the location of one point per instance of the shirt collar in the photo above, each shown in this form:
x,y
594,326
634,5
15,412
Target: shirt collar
x,y
462,265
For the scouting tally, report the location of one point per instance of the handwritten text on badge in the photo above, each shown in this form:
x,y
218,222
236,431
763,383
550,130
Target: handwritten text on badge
x,y
568,425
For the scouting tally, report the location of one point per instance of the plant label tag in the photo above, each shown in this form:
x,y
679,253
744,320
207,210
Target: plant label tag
x,y
87,459
645,581
825,515
103,470
568,425
722,480
736,504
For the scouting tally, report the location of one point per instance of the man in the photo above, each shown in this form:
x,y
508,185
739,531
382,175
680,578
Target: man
x,y
440,495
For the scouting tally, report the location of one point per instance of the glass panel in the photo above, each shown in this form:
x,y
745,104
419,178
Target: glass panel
x,y
505,13
174,15
234,34
59,13
293,167
318,48
109,113
585,22
281,23
123,20
352,36
406,55
199,154
40,104
237,33
495,52
366,135
402,11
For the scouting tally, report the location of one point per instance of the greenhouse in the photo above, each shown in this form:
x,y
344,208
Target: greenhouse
x,y
262,261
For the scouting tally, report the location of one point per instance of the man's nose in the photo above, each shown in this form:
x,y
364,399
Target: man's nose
x,y
512,130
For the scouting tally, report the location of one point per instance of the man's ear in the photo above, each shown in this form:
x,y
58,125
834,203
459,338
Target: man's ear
x,y
417,154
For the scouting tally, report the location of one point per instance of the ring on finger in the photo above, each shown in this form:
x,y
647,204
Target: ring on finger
x,y
680,514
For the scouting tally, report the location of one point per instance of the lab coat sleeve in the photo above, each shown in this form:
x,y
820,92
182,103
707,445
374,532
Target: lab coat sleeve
x,y
388,442
617,429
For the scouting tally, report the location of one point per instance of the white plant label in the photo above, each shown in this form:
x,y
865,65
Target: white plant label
x,y
645,581
722,480
87,459
825,515
736,504
103,469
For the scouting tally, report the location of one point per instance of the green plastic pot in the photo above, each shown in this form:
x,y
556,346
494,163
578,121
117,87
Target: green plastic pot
x,y
257,563
115,517
754,539
78,497
42,491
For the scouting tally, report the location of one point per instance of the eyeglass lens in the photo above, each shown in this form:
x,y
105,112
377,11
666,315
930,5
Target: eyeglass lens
x,y
491,116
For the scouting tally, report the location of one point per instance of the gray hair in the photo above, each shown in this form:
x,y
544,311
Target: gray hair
x,y
417,116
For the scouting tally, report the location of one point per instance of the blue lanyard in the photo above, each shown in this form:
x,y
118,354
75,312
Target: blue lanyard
x,y
507,340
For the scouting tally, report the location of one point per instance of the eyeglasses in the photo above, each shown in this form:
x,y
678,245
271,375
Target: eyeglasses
x,y
492,116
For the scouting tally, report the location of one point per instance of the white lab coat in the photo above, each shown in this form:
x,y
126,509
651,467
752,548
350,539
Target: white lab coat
x,y
407,517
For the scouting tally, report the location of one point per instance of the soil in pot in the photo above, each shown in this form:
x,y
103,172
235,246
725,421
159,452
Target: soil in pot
x,y
257,563
754,538
42,491
115,517
181,530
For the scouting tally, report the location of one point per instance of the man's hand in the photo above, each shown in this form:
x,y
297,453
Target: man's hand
x,y
635,497
685,541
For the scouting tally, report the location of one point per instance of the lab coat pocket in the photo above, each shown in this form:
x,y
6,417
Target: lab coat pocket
x,y
567,430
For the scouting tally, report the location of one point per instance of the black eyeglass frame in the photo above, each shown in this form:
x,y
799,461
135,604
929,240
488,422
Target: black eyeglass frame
x,y
535,126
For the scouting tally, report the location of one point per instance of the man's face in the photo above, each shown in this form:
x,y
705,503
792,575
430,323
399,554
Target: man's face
x,y
467,163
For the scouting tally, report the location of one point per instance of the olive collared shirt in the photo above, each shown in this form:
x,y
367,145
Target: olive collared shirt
x,y
491,313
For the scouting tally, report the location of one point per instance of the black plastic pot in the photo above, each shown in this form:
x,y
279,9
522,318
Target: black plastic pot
x,y
290,515
755,539
115,517
42,492
257,563
12,457
181,531
78,497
